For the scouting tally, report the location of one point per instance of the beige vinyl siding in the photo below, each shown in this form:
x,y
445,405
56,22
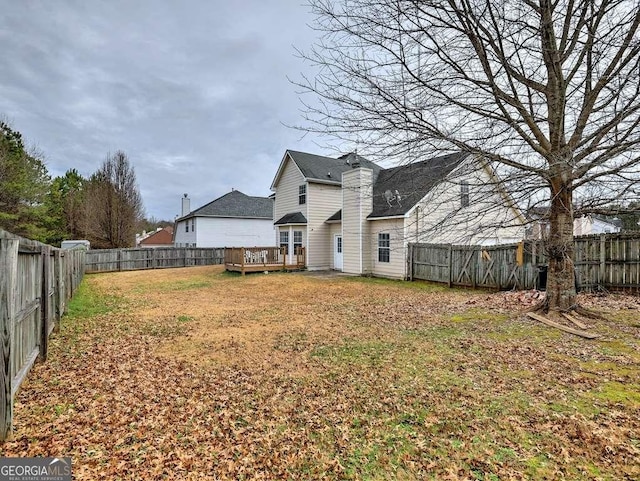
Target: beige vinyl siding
x,y
334,230
439,217
323,201
396,267
287,191
356,206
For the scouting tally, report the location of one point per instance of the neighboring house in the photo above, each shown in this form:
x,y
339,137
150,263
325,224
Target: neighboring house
x,y
352,215
162,237
594,224
233,220
584,225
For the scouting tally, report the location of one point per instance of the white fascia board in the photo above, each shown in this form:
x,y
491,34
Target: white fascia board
x,y
322,181
400,216
283,162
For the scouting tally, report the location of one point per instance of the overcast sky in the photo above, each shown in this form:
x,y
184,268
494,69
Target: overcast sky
x,y
195,92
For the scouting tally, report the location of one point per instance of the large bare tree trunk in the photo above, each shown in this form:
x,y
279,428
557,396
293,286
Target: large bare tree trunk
x,y
561,289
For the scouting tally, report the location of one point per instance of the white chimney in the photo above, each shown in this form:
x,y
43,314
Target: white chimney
x,y
186,205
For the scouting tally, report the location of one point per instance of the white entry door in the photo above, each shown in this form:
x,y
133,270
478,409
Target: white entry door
x,y
337,252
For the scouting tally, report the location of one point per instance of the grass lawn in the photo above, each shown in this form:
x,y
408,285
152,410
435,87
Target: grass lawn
x,y
200,374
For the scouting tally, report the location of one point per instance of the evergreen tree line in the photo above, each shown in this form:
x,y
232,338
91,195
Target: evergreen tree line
x,y
105,208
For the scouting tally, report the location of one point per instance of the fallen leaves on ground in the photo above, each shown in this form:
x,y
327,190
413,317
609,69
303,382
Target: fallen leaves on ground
x,y
197,374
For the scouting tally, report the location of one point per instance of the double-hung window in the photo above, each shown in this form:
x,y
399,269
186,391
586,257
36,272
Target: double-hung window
x,y
384,247
284,241
464,194
297,240
302,194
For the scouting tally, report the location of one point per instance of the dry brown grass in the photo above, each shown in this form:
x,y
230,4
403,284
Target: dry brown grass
x,y
198,374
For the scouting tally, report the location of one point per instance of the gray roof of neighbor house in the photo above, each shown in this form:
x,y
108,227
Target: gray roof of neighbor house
x,y
410,183
235,204
293,218
328,169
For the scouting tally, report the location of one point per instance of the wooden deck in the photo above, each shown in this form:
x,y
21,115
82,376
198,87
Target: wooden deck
x,y
261,259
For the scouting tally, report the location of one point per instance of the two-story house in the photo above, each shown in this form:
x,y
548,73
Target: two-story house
x,y
232,220
352,215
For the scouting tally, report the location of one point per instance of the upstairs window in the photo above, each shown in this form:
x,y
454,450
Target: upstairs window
x,y
384,247
193,225
186,226
302,194
464,194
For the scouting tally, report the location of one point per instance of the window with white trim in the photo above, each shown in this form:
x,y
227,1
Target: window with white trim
x,y
302,194
193,225
297,240
284,241
384,247
186,226
464,194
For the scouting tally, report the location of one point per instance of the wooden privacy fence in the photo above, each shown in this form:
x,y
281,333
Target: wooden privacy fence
x,y
36,281
609,261
108,260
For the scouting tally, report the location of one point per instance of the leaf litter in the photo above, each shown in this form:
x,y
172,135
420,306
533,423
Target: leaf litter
x,y
198,374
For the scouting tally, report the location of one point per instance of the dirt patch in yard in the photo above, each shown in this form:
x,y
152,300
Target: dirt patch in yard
x,y
276,320
200,374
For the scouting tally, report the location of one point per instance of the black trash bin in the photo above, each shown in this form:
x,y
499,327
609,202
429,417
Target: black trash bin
x,y
541,281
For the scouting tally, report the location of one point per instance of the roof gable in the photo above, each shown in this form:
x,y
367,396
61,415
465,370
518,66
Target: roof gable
x,y
318,168
411,183
235,204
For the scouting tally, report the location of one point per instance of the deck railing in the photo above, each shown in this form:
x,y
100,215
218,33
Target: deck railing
x,y
247,259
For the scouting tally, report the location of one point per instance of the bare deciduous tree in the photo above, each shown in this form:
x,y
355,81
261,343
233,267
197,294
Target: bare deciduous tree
x,y
113,205
547,91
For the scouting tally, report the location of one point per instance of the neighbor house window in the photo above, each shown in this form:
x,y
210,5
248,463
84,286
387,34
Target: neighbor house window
x,y
284,241
464,194
186,226
193,225
302,194
384,245
297,240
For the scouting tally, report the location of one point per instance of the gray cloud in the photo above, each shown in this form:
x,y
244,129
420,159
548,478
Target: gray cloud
x,y
195,92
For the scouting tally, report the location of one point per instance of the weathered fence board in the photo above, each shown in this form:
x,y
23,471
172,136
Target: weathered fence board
x,y
609,261
36,281
109,260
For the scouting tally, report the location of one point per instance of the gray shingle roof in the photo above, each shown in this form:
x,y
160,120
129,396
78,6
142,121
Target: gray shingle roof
x,y
412,181
293,218
235,204
335,217
318,167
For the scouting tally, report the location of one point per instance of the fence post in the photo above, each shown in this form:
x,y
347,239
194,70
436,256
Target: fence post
x,y
449,284
59,287
9,269
44,303
603,259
